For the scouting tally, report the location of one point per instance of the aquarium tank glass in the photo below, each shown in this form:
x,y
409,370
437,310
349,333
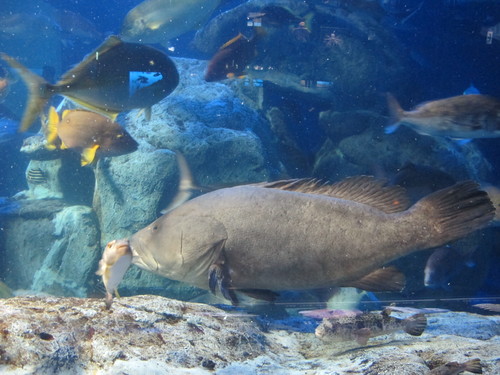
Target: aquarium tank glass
x,y
250,187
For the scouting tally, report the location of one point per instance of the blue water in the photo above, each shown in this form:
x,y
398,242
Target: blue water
x,y
440,41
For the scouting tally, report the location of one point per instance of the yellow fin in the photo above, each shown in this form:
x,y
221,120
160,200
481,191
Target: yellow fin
x,y
63,146
52,123
65,113
88,155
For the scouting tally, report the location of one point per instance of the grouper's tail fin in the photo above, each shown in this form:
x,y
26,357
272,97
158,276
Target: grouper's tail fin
x,y
39,91
454,212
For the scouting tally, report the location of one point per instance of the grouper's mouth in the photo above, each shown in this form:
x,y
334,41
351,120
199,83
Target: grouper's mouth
x,y
115,261
141,257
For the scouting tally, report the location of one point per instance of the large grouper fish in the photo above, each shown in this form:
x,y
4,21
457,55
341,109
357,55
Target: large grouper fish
x,y
116,77
296,234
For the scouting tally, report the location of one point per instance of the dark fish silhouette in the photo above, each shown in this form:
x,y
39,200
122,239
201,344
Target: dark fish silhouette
x,y
116,77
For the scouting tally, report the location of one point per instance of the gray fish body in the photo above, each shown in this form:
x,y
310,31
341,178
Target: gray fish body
x,y
464,116
268,238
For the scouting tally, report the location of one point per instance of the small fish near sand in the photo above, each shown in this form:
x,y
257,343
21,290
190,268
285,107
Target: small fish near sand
x,y
89,133
296,234
455,368
114,78
459,117
360,327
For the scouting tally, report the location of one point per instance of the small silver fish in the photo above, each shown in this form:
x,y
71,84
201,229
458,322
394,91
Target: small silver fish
x,y
361,326
454,368
461,117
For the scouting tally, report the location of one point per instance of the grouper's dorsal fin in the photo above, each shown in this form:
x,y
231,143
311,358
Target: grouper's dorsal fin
x,y
361,189
71,74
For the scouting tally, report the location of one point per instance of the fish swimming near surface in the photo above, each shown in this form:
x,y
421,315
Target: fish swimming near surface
x,y
360,327
232,58
158,21
116,77
460,117
89,133
298,234
454,368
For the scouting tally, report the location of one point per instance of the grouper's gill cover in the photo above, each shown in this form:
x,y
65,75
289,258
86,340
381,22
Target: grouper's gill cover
x,y
285,235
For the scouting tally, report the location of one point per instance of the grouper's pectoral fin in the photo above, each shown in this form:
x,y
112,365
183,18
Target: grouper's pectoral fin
x,y
219,280
362,335
382,280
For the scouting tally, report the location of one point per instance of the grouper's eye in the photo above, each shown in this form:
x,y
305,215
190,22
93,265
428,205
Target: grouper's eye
x,y
155,227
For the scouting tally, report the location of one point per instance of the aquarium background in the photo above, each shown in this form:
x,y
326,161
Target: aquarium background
x,y
311,103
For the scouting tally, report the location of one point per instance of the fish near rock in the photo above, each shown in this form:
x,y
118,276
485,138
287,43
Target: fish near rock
x,y
360,327
232,58
114,78
89,133
158,21
455,368
461,117
302,234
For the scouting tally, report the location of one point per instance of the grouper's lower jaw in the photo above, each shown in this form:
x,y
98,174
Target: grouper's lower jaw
x,y
116,259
